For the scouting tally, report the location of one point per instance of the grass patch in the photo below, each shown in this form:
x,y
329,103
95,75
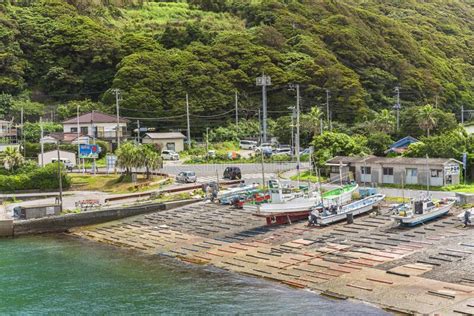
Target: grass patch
x,y
464,188
307,176
113,183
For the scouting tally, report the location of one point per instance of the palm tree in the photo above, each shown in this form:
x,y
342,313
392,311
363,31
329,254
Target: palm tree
x,y
426,118
384,121
150,159
314,117
12,158
128,157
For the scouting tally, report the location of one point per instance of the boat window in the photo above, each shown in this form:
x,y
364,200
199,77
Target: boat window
x,y
436,173
365,170
388,171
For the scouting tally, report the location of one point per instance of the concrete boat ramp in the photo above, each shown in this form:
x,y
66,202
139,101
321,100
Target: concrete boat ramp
x,y
421,270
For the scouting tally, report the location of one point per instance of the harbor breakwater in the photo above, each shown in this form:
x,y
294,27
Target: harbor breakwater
x,y
62,223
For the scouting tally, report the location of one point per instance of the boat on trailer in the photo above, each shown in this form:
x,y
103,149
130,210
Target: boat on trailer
x,y
421,210
324,215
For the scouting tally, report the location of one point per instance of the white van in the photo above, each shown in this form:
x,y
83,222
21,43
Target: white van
x,y
67,163
248,144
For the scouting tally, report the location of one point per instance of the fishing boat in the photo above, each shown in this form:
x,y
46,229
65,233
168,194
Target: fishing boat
x,y
324,215
227,196
421,210
283,209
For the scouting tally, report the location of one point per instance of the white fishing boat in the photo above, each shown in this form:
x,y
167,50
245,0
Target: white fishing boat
x,y
226,196
421,210
324,215
283,200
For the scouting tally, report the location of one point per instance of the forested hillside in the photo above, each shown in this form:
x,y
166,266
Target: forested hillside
x,y
54,52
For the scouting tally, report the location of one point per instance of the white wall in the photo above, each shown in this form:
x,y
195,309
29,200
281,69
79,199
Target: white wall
x,y
179,143
50,155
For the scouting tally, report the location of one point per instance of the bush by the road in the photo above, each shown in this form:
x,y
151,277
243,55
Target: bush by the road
x,y
45,178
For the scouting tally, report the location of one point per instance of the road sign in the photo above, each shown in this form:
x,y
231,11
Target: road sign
x,y
89,151
111,161
451,170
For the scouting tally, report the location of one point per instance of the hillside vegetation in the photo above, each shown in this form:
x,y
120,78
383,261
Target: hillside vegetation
x,y
54,52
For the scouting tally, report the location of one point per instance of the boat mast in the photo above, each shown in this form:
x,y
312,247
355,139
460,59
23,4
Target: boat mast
x,y
318,173
427,177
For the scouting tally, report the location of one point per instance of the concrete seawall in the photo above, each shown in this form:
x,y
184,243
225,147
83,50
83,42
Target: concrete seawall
x,y
62,223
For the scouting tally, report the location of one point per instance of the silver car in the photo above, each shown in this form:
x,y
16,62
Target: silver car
x,y
186,177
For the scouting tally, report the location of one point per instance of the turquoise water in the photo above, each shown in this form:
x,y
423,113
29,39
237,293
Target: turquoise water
x,y
46,275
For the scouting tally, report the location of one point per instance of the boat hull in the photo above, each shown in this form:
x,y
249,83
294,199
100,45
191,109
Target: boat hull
x,y
419,219
364,208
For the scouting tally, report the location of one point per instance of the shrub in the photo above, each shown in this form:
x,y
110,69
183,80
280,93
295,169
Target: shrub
x,y
45,178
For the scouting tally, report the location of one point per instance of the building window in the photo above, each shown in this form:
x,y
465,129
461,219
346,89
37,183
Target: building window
x,y
73,129
171,146
436,173
388,171
412,172
84,130
334,169
365,170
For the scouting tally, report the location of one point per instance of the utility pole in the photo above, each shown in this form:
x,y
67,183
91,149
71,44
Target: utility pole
x,y
117,101
207,142
321,126
138,132
187,119
236,108
397,107
93,138
264,81
78,136
462,114
261,154
41,142
60,178
328,113
22,131
297,140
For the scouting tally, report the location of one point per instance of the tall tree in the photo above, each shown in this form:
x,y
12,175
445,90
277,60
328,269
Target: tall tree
x,y
426,118
384,121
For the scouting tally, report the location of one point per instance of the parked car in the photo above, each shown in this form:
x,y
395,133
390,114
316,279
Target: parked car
x,y
232,173
264,146
66,162
248,144
169,155
284,146
211,154
280,151
186,177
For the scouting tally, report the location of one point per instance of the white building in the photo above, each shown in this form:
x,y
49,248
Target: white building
x,y
50,156
167,141
99,125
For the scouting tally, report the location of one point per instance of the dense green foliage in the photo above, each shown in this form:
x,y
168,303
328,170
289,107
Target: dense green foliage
x,y
45,178
53,52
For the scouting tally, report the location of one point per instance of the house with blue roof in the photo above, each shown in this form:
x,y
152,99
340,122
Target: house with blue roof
x,y
401,145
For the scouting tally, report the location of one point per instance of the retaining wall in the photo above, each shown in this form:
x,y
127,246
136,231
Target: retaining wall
x,y
54,224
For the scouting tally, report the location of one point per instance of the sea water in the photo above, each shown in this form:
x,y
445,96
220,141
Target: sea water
x,y
59,275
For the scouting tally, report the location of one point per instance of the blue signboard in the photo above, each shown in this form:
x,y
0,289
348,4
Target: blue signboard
x,y
89,151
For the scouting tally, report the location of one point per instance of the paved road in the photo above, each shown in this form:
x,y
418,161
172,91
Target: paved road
x,y
213,169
